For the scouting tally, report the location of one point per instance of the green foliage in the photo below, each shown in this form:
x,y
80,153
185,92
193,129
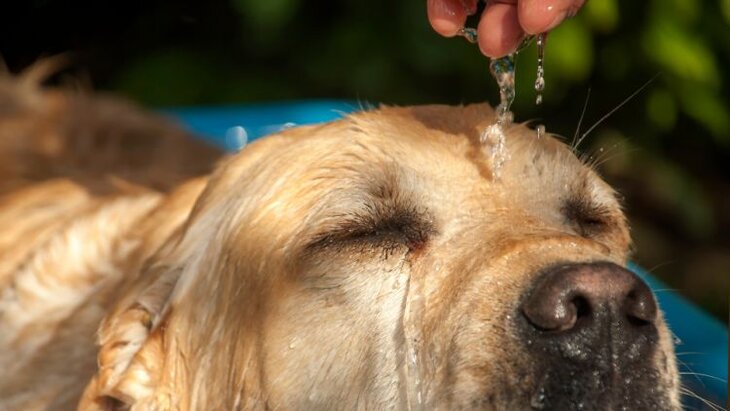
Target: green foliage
x,y
661,107
602,15
267,16
571,52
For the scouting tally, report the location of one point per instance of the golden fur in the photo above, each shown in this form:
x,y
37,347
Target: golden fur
x,y
373,262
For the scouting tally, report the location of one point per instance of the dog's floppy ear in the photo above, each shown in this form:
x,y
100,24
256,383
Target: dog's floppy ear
x,y
131,353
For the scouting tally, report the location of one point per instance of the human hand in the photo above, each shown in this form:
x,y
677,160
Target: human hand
x,y
504,23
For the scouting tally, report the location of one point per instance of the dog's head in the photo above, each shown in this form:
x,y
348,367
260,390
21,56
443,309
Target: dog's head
x,y
378,261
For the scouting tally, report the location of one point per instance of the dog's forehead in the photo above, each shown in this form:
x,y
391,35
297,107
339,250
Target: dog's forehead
x,y
436,148
432,153
445,142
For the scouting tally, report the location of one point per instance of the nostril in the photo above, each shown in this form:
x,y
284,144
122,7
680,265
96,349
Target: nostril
x,y
556,311
546,315
582,307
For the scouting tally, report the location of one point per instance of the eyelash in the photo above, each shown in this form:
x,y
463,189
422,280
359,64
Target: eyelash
x,y
589,219
399,228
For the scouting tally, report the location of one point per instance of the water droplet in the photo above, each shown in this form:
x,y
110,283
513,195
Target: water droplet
x,y
540,79
288,125
236,138
540,130
468,33
292,344
677,340
538,400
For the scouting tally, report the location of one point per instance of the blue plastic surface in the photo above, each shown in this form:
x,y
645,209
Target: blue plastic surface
x,y
702,341
213,123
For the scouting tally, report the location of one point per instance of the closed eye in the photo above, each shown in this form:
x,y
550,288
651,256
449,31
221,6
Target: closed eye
x,y
386,227
587,218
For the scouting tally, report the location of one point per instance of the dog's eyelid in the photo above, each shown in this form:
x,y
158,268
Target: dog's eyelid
x,y
589,217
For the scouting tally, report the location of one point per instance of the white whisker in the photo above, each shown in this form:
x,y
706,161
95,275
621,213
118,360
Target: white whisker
x,y
703,375
607,115
715,407
691,371
573,146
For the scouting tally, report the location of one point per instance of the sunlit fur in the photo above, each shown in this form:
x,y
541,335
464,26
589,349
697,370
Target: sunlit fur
x,y
272,285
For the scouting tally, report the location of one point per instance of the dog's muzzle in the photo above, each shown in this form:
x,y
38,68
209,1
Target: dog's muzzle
x,y
590,331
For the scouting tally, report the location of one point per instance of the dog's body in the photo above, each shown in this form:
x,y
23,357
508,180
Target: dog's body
x,y
375,262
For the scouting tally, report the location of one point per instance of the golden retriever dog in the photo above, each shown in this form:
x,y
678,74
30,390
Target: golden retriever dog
x,y
375,262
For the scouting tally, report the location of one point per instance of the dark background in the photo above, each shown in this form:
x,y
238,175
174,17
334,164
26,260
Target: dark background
x,y
667,150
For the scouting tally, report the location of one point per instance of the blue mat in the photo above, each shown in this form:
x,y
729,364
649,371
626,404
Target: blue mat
x,y
702,341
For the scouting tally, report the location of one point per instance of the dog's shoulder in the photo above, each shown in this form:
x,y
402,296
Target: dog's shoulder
x,y
75,255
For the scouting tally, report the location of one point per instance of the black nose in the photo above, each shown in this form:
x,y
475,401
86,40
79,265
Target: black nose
x,y
580,308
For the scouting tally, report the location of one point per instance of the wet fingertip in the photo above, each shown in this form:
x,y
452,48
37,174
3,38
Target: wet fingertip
x,y
446,16
535,20
499,30
445,27
554,23
493,49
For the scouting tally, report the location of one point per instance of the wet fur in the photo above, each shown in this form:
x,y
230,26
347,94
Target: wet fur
x,y
300,274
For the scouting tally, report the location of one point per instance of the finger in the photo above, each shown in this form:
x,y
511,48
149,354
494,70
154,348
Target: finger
x,y
448,16
499,31
539,16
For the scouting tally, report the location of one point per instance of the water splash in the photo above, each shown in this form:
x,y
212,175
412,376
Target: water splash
x,y
503,71
540,79
494,138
